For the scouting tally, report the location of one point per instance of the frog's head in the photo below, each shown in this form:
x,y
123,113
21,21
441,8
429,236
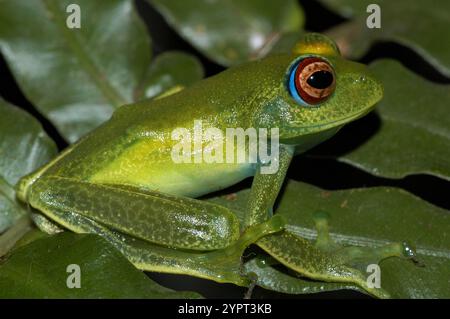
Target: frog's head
x,y
320,91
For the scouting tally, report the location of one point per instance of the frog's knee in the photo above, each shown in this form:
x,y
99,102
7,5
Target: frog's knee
x,y
223,231
32,191
23,186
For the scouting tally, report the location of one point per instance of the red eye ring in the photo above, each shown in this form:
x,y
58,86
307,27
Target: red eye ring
x,y
314,80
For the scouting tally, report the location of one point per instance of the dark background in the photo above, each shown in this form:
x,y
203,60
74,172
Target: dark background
x,y
316,167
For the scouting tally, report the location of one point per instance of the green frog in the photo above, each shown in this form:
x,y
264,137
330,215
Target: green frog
x,y
123,181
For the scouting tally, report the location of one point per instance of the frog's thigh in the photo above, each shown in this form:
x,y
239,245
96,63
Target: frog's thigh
x,y
156,217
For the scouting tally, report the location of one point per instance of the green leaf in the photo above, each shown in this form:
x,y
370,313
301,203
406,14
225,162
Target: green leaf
x,y
39,270
286,42
376,216
231,32
415,24
414,136
75,77
168,70
24,146
373,217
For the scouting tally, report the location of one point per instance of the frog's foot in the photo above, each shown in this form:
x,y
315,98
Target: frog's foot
x,y
45,224
251,235
230,259
351,254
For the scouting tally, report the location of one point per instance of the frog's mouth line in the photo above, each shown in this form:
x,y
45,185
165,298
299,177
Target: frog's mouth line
x,y
311,129
347,119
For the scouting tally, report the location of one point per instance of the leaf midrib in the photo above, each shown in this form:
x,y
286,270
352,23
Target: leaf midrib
x,y
311,234
80,53
364,241
414,124
8,192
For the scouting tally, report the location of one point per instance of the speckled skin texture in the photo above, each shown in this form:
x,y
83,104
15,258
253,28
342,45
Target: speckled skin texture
x,y
133,148
121,182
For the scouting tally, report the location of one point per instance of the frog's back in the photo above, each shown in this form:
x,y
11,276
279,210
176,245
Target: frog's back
x,y
134,148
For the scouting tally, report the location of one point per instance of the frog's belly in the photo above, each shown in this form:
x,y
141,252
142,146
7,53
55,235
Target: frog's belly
x,y
190,180
194,180
149,164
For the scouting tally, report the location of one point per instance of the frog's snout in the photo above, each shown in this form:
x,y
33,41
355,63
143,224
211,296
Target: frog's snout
x,y
372,86
368,89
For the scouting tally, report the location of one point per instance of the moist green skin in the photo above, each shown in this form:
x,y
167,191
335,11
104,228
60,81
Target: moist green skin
x,y
252,95
120,181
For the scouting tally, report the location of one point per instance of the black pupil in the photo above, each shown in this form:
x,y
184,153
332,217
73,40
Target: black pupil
x,y
320,79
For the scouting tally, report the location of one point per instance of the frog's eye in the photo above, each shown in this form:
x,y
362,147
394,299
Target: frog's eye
x,y
312,81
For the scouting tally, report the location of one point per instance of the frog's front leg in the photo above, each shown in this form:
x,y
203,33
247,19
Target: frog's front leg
x,y
323,260
265,189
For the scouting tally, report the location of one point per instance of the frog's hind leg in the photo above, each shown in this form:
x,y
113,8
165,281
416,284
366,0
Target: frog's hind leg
x,y
156,217
351,254
146,226
45,224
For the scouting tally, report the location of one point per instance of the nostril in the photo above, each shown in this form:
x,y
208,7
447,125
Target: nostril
x,y
360,79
